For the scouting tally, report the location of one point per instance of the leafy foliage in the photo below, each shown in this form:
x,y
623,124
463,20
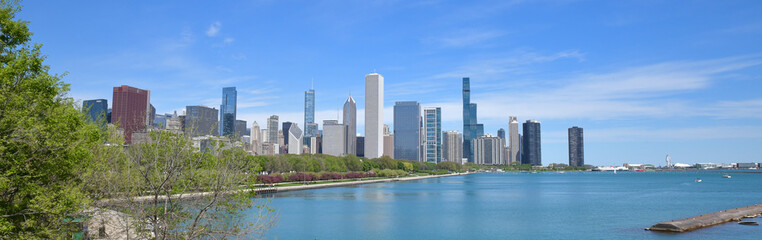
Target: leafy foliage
x,y
45,140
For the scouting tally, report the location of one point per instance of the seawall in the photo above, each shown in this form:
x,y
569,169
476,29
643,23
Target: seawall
x,y
706,220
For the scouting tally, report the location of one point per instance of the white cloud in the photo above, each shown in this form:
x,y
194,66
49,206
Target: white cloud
x,y
213,29
633,92
229,40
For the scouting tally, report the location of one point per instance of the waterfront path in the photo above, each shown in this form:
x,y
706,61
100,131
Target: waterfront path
x,y
341,184
706,220
292,188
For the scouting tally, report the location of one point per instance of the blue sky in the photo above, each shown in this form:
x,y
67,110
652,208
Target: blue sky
x,y
643,78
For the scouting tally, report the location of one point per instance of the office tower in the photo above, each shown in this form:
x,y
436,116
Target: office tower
x,y
489,150
514,148
310,127
228,111
201,121
452,146
350,119
272,129
96,109
294,139
576,147
108,115
281,141
386,131
432,132
407,130
334,138
389,145
501,133
471,129
374,115
151,114
531,151
131,108
240,128
256,139
360,148
313,145
285,129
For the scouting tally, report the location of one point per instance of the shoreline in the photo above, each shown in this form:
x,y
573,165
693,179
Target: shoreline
x,y
268,190
341,184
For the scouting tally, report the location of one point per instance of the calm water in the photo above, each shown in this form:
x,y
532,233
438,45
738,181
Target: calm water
x,y
587,205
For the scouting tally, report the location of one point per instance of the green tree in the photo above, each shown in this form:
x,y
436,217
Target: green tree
x,y
44,138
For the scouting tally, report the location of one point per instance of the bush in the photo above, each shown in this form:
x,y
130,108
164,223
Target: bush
x,y
270,179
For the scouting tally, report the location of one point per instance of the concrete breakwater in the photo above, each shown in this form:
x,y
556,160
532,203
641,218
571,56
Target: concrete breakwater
x,y
706,220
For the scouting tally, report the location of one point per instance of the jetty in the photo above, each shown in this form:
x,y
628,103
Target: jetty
x,y
706,220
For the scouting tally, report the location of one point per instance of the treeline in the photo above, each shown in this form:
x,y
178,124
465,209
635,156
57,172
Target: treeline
x,y
316,163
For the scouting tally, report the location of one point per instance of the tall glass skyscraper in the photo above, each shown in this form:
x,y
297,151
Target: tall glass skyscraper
x,y
471,129
96,109
531,151
407,130
576,147
228,111
432,149
310,127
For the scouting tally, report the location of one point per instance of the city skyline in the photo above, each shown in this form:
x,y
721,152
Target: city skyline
x,y
637,104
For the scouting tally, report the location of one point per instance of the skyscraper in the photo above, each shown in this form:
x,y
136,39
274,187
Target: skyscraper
x,y
374,115
432,132
489,150
471,129
350,119
334,138
514,148
310,127
228,111
256,139
200,121
96,109
272,129
131,108
452,146
285,129
531,151
240,128
407,130
294,139
576,147
501,133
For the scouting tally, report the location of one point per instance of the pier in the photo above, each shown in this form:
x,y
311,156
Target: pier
x,y
706,220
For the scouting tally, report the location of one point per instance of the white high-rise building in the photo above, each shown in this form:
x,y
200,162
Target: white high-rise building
x,y
452,146
334,138
295,135
513,137
350,119
256,139
374,115
489,150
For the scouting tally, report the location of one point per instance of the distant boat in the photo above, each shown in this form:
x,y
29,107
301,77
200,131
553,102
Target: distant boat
x,y
698,179
725,176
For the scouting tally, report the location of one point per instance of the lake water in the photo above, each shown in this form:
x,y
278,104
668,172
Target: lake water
x,y
572,205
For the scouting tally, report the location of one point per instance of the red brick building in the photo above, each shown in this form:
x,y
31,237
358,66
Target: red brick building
x,y
131,108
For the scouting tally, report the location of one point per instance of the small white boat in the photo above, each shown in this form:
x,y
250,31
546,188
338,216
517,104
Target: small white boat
x,y
698,179
725,176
